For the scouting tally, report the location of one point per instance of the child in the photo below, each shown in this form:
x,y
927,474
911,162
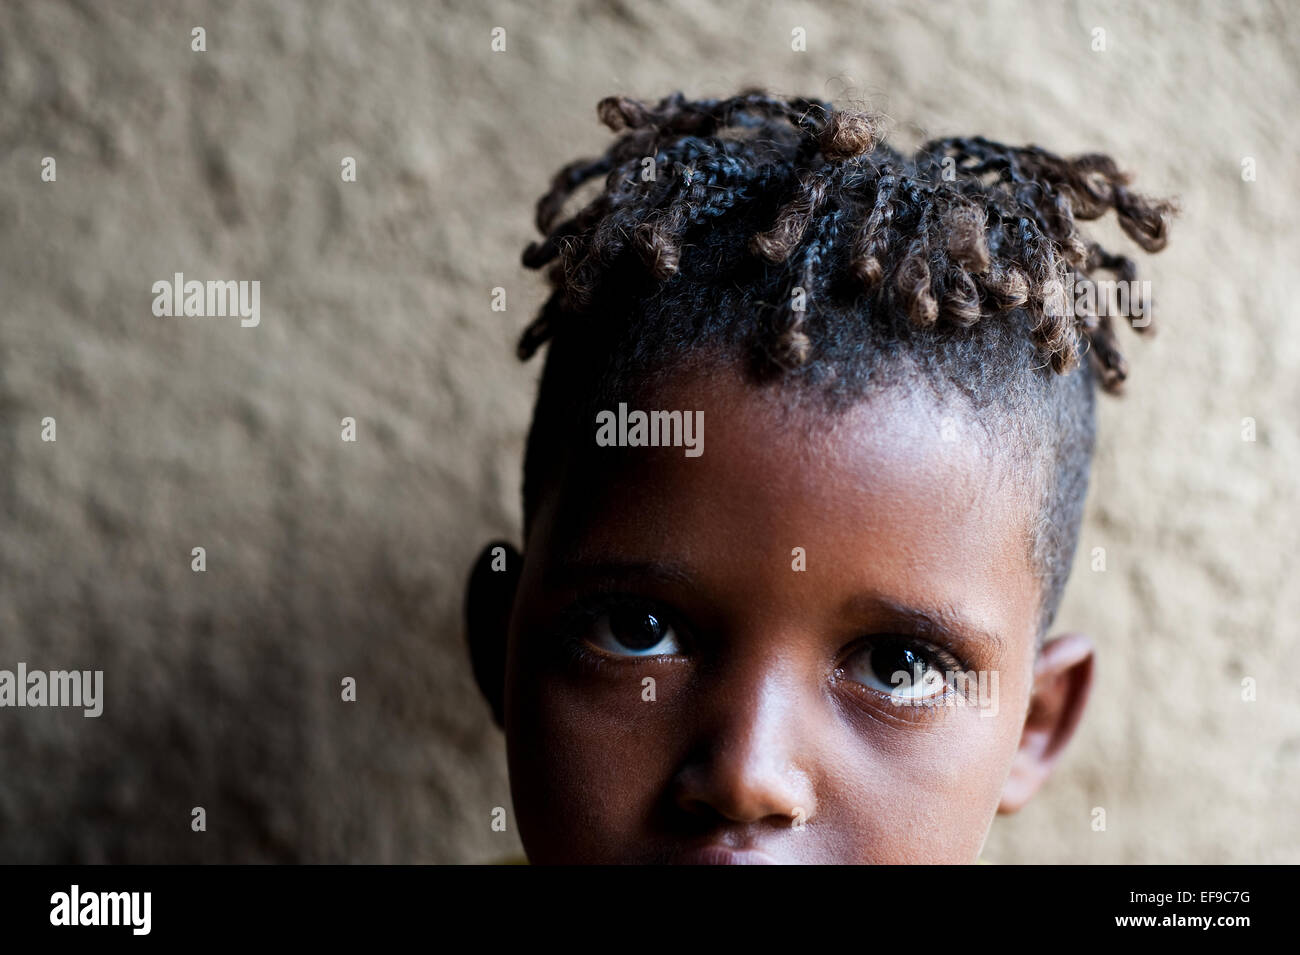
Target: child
x,y
819,636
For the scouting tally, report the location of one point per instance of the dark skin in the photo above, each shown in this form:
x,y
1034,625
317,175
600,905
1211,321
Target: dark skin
x,y
774,733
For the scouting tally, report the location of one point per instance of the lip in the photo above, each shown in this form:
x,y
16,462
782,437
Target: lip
x,y
721,855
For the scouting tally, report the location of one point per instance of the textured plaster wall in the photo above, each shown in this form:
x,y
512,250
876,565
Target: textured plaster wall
x,y
327,559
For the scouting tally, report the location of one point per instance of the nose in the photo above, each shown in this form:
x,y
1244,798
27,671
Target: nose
x,y
751,761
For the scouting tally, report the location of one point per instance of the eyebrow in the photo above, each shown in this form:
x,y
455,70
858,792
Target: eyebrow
x,y
587,568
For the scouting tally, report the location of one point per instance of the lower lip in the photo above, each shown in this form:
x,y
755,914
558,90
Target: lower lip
x,y
718,855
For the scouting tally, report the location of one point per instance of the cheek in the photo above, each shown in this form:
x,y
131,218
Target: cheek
x,y
923,793
590,759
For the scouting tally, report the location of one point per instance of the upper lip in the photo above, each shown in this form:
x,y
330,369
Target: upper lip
x,y
718,854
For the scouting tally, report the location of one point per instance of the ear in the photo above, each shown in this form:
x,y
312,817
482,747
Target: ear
x,y
489,597
1062,681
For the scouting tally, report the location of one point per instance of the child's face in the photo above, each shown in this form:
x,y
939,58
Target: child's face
x,y
768,727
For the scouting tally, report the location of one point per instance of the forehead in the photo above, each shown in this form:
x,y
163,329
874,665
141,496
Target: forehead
x,y
897,495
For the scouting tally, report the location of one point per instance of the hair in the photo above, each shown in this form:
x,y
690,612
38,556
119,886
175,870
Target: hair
x,y
786,235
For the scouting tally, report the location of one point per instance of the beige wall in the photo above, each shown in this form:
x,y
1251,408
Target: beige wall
x,y
328,559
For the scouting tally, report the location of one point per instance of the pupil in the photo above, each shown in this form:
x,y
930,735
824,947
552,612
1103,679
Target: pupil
x,y
887,661
636,630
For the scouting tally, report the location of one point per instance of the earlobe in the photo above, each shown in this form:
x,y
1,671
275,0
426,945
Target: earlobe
x,y
489,598
1062,681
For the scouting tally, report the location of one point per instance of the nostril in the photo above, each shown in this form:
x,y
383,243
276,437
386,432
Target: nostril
x,y
728,794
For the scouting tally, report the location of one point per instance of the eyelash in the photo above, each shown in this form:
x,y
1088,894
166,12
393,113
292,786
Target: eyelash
x,y
587,609
577,650
943,659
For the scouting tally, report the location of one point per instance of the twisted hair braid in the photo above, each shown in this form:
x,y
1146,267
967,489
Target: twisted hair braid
x,y
962,232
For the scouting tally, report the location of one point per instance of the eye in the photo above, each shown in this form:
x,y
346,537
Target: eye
x,y
633,631
907,671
